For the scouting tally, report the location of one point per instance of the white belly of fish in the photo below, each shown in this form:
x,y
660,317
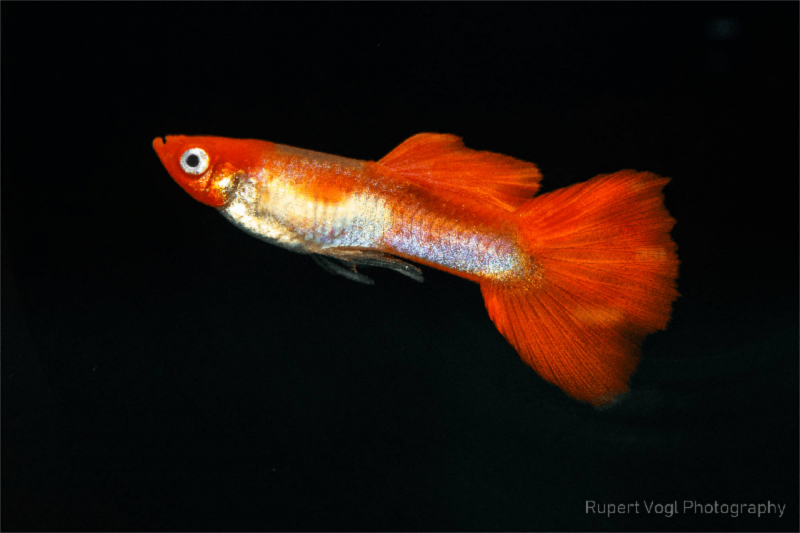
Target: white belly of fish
x,y
276,213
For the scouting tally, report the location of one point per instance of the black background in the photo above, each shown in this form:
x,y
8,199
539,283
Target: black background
x,y
162,370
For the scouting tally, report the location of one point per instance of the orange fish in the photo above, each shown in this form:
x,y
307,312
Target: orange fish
x,y
574,279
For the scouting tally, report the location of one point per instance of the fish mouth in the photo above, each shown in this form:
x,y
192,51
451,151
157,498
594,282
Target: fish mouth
x,y
159,142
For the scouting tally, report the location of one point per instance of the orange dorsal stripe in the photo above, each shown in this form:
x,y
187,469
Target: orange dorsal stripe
x,y
320,191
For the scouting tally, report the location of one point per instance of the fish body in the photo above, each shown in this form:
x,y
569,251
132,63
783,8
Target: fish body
x,y
573,279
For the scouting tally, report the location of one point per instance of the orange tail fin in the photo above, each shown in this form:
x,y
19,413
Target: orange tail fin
x,y
608,268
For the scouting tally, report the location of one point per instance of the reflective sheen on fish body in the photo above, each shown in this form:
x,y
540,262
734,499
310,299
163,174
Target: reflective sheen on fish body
x,y
573,279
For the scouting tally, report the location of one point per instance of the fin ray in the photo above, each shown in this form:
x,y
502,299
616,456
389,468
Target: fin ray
x,y
349,272
608,268
442,162
372,258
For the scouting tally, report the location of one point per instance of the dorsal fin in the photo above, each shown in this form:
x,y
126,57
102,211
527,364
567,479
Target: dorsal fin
x,y
442,162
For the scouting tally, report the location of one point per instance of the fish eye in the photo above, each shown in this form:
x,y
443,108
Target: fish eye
x,y
194,161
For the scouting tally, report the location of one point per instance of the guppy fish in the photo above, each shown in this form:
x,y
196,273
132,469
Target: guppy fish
x,y
574,279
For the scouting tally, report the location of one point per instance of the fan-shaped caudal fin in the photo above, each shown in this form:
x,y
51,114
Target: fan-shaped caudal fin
x,y
606,279
442,162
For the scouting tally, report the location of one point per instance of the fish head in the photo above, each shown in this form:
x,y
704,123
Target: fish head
x,y
210,168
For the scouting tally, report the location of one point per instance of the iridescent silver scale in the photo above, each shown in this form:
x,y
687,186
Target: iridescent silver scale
x,y
272,208
435,238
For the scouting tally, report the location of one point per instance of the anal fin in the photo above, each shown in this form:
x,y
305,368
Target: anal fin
x,y
352,257
349,272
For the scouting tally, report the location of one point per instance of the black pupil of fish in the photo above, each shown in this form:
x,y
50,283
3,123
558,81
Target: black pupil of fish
x,y
192,160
